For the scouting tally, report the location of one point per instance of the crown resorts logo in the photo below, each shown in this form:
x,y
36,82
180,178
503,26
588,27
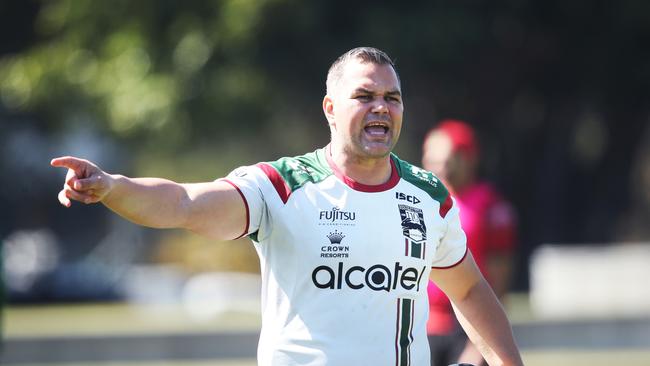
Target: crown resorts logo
x,y
335,249
335,237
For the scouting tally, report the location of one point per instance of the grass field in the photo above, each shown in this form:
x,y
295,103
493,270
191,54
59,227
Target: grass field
x,y
117,321
586,357
537,358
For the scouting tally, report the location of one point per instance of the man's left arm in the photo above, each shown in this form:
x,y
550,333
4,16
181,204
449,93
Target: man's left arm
x,y
479,312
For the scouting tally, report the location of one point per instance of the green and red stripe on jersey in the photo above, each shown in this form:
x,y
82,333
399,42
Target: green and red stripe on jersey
x,y
404,331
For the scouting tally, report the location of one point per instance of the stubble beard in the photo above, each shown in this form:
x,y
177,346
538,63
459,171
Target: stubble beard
x,y
368,150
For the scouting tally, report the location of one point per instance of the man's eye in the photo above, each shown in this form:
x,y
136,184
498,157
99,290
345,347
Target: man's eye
x,y
392,99
363,97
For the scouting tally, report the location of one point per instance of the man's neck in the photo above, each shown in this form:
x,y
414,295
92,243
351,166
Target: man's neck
x,y
368,171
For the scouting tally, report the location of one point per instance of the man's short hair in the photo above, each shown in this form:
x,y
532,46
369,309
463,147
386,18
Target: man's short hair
x,y
365,54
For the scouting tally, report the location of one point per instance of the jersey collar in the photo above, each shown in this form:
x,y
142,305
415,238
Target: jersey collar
x,y
392,181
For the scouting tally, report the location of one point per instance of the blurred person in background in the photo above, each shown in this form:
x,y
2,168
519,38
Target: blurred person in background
x,y
345,234
451,151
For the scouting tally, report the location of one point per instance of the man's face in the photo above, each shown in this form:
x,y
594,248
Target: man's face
x,y
365,110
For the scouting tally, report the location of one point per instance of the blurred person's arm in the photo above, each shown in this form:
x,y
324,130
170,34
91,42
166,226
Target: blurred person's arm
x,y
501,242
214,209
498,267
479,312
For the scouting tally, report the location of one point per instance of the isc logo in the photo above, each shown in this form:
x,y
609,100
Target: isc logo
x,y
408,198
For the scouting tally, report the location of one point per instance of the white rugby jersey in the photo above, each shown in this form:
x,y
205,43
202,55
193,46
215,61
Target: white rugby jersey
x,y
345,265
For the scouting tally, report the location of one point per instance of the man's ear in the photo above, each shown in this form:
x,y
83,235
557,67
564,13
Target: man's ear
x,y
328,109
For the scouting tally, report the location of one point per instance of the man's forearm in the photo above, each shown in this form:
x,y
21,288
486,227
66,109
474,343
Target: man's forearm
x,y
152,202
486,324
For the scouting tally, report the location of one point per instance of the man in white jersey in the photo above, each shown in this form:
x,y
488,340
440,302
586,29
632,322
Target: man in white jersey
x,y
347,235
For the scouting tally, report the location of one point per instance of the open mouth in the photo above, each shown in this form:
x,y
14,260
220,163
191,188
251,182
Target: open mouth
x,y
376,129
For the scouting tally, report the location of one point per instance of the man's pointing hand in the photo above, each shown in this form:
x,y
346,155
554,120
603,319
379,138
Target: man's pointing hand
x,y
85,182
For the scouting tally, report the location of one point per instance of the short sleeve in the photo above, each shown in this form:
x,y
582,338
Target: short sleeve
x,y
453,245
248,180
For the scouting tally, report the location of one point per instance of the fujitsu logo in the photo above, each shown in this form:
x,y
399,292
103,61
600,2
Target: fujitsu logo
x,y
335,214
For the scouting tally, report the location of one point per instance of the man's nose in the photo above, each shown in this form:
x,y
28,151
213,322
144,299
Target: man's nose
x,y
380,106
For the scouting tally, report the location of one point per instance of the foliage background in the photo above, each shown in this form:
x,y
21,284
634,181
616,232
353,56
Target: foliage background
x,y
558,91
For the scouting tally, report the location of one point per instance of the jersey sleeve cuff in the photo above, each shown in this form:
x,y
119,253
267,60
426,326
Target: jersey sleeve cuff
x,y
245,205
455,263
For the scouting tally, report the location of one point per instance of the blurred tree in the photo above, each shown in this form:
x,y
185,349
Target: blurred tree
x,y
160,72
191,89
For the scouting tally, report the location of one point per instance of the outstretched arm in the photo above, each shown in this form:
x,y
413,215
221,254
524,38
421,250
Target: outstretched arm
x,y
479,312
214,209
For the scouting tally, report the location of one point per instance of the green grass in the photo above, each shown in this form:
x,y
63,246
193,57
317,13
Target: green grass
x,y
531,358
117,319
122,319
612,357
246,362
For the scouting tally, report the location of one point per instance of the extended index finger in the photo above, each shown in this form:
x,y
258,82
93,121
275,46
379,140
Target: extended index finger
x,y
70,162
